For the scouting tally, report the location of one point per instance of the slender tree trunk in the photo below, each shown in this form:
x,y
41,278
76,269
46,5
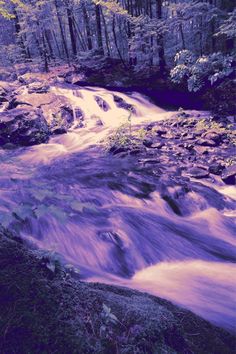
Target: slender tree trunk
x,y
99,29
87,26
62,32
160,41
71,29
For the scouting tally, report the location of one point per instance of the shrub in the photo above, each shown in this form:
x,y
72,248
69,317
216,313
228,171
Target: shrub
x,y
200,72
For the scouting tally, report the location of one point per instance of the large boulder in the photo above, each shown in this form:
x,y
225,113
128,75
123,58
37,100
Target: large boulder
x,y
38,87
58,114
23,127
56,109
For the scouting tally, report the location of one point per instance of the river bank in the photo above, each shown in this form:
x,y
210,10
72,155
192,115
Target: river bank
x,y
44,309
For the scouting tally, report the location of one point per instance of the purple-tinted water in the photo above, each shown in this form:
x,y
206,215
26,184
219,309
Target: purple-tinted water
x,y
105,216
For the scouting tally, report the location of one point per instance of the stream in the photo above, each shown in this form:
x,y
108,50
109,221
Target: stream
x,y
102,215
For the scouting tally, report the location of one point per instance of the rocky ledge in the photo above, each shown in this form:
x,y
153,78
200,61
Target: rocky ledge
x,y
189,145
44,309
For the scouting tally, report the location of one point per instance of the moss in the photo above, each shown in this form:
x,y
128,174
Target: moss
x,y
46,311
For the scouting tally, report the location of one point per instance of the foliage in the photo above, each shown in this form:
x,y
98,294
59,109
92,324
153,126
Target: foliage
x,y
228,27
198,73
221,101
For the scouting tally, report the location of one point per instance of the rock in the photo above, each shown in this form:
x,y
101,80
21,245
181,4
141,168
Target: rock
x,y
160,131
7,75
118,150
213,136
78,113
23,127
62,120
206,142
201,150
215,168
189,147
229,175
169,135
72,78
147,142
56,110
149,161
197,172
135,151
157,145
190,136
102,103
120,103
99,122
38,87
77,93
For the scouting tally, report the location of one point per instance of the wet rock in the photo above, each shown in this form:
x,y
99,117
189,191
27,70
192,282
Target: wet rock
x,y
38,87
62,120
160,131
189,147
3,94
213,136
158,145
117,150
102,103
99,122
201,150
147,142
77,93
57,111
135,151
206,142
170,135
72,78
190,136
149,161
7,75
23,127
78,113
229,175
120,103
216,168
197,172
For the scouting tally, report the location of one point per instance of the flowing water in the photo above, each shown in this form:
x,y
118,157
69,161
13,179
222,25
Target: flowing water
x,y
102,215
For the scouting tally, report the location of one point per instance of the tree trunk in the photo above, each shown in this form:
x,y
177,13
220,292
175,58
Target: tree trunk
x,y
99,29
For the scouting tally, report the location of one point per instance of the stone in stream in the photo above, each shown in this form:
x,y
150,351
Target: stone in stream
x,y
147,142
216,168
102,103
197,172
56,109
229,175
213,136
206,142
23,127
157,145
120,103
3,95
38,87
